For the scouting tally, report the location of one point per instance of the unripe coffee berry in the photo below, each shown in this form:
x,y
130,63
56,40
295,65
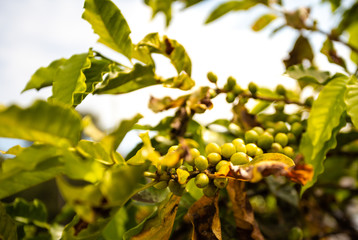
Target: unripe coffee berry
x,y
212,147
201,180
276,148
230,97
252,88
251,149
281,127
176,188
213,158
239,158
265,141
220,164
251,136
227,150
239,146
288,151
282,139
194,153
281,90
210,190
297,128
161,185
201,163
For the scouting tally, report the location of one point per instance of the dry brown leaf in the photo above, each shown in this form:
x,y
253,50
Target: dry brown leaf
x,y
246,225
204,216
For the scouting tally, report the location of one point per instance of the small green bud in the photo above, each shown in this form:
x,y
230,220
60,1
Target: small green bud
x,y
252,88
280,106
230,97
231,82
281,90
212,77
309,101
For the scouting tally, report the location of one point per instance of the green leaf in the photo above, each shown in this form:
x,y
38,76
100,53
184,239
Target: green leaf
x,y
331,53
108,22
44,76
94,150
183,81
323,124
229,6
83,199
275,157
307,75
70,80
94,75
113,140
121,182
169,48
31,211
159,225
164,6
43,122
353,40
263,21
141,156
139,77
7,226
301,50
116,228
259,107
351,99
349,18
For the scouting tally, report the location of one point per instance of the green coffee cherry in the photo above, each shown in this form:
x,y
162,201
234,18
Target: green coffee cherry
x,y
251,149
176,188
239,145
297,128
221,182
238,140
227,150
201,163
295,234
237,90
161,185
293,118
193,154
201,180
281,90
239,158
259,151
210,190
282,139
280,106
291,138
288,151
265,141
251,136
276,148
259,130
235,129
230,97
252,88
281,127
270,131
231,82
212,77
220,164
212,147
214,158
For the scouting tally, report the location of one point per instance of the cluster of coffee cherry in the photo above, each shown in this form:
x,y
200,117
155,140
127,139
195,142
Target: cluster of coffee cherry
x,y
203,166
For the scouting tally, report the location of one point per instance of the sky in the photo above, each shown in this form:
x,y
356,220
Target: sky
x,y
36,32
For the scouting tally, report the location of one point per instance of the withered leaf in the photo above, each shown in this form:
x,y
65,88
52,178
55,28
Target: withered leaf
x,y
246,225
204,216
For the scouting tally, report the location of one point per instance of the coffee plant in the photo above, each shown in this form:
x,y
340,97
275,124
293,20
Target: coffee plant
x,y
266,173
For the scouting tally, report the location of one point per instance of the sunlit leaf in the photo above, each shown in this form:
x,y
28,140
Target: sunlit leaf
x,y
246,225
204,217
114,139
69,80
301,50
108,22
128,177
349,18
44,76
138,77
94,150
183,81
146,152
160,224
229,6
263,21
323,124
169,48
164,6
307,75
83,199
42,122
351,100
353,40
7,226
